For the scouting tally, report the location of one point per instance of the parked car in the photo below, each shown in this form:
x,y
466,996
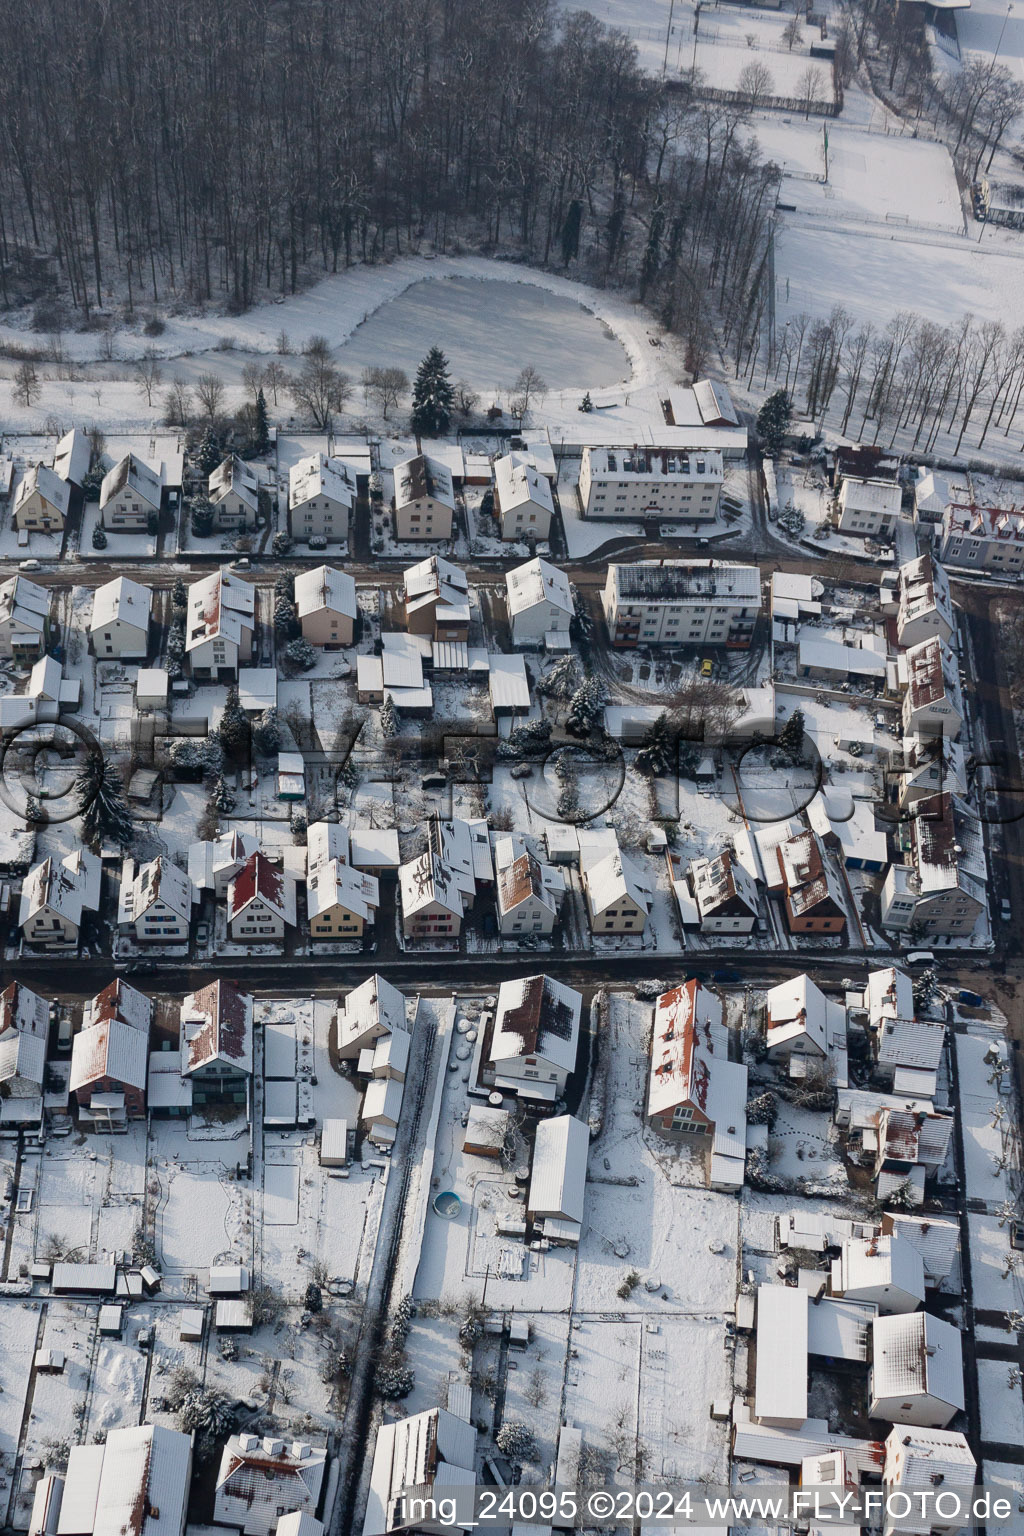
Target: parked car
x,y
1005,910
707,667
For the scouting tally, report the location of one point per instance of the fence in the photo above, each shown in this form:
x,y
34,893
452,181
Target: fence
x,y
768,103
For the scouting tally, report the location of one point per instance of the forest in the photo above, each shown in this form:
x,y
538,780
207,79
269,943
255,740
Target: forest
x,y
175,154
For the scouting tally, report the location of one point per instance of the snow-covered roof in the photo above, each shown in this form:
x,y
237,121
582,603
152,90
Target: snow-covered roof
x,y
318,475
882,496
653,466
67,889
326,840
374,848
325,589
780,1384
797,1007
887,1261
23,1011
130,471
537,1016
220,605
517,484
383,1100
160,882
259,880
520,879
135,1484
934,1237
257,1477
335,884
120,1000
51,488
722,884
216,1024
916,1355
911,1042
72,456
423,476
375,1005
508,683
427,880
230,475
24,603
109,1049
537,582
410,1454
686,1021
219,858
685,581
616,878
437,583
558,1177
22,1056
924,1459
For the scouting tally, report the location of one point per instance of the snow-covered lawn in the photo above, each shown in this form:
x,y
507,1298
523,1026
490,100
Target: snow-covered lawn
x,y
988,1136
1002,1407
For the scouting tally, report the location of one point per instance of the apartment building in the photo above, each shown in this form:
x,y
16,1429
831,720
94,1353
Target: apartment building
x,y
673,602
424,499
982,538
642,482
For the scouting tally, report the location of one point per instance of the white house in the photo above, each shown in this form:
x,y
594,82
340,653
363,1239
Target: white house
x,y
261,902
917,1372
214,864
797,1019
539,602
73,456
975,537
24,614
233,492
558,1178
724,893
321,495
870,508
522,499
433,1452
925,605
927,1461
55,898
155,902
780,1379
340,901
119,625
130,496
434,898
371,1012
424,499
679,602
219,626
528,891
886,1270
260,1479
643,481
41,501
436,599
326,606
932,701
618,897
534,1038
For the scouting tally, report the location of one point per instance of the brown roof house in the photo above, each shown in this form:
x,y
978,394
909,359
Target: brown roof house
x,y
814,903
261,902
534,1038
696,1095
259,1480
216,1043
109,1063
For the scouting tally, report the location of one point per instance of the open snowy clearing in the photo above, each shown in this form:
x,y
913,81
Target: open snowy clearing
x,y
939,280
992,24
870,176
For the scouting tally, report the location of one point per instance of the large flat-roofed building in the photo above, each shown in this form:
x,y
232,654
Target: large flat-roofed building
x,y
650,482
672,602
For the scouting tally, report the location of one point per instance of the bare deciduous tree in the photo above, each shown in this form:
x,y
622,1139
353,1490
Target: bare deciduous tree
x,y
385,387
529,386
149,373
25,387
210,394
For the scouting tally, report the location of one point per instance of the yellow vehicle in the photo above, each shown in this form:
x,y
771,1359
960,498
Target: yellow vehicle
x,y
707,667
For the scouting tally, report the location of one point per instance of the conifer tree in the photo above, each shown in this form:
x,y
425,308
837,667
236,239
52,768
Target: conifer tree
x,y
102,804
433,398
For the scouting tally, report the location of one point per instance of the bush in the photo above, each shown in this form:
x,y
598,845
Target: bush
x,y
202,519
515,1440
317,541
99,538
300,654
282,543
153,524
154,327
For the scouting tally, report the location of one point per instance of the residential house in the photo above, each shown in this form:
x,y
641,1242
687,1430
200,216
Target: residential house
x,y
649,482
432,1454
72,457
55,898
927,1461
233,492
382,1105
925,606
695,1094
216,1043
109,1062
119,624
374,852
910,1145
326,606
371,1012
261,902
917,1372
437,599
618,896
340,901
539,600
130,496
424,499
812,895
212,865
523,503
528,891
219,626
24,619
321,495
678,602
41,501
981,538
135,1481
433,898
259,1480
925,766
940,888
870,508
24,1032
534,1038
797,1015
724,893
156,902
119,1000
558,1179
884,1269
932,702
